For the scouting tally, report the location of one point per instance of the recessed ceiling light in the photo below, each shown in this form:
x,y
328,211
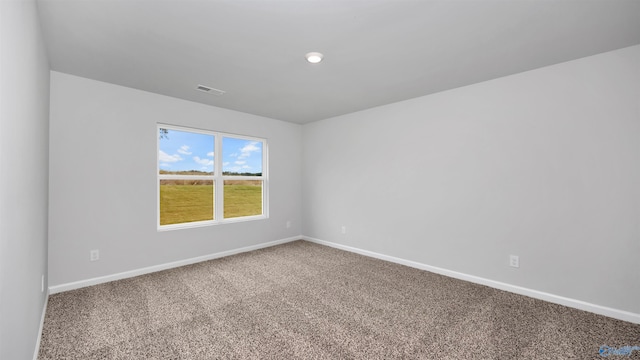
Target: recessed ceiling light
x,y
314,57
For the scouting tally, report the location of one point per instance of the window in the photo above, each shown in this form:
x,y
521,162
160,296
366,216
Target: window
x,y
207,177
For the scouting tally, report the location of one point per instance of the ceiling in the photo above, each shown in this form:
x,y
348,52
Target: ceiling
x,y
375,52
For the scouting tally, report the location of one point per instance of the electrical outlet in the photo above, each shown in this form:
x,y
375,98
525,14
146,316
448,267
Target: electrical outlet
x,y
288,224
344,229
514,261
94,255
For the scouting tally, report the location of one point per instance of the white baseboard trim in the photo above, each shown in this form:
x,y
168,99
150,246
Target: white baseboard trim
x,y
44,311
128,274
556,299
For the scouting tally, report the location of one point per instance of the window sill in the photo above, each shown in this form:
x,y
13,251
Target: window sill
x,y
197,224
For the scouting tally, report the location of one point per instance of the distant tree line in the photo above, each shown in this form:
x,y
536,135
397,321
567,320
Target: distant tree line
x,y
186,182
185,172
199,172
229,173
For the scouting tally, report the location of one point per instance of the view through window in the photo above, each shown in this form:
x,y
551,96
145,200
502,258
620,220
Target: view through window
x,y
209,177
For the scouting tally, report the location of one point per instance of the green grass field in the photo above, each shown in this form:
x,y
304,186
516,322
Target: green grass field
x,y
188,203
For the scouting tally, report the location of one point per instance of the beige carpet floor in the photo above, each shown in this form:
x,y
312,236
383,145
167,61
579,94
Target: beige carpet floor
x,y
306,301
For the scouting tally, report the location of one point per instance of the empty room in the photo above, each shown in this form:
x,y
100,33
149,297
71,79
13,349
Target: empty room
x,y
319,179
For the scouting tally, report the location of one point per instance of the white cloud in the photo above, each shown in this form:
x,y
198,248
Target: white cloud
x,y
165,165
166,158
225,163
240,162
184,150
248,149
210,154
246,167
205,162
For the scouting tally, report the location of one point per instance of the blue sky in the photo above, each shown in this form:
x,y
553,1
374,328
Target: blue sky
x,y
239,155
182,151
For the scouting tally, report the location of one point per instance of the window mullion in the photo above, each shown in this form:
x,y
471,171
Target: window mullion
x,y
218,202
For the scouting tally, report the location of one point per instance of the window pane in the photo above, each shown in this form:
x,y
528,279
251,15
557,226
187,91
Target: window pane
x,y
185,153
242,198
185,201
241,157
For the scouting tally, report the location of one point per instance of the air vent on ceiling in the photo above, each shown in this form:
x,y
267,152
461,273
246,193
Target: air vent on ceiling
x,y
210,90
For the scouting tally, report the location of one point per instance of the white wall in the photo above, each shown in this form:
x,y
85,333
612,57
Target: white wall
x,y
24,126
543,164
103,180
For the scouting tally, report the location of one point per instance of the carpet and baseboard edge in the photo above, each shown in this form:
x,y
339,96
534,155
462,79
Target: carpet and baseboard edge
x,y
128,274
556,299
44,311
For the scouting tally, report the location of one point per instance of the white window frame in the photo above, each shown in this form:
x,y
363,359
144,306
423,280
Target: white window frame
x,y
217,177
